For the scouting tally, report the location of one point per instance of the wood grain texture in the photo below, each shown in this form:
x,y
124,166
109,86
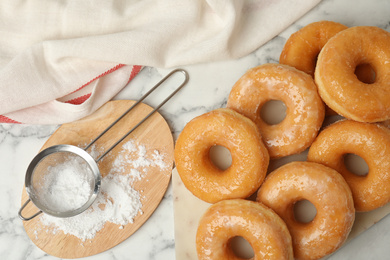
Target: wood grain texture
x,y
154,133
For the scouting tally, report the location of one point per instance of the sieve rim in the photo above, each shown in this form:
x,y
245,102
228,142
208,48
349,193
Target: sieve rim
x,y
63,148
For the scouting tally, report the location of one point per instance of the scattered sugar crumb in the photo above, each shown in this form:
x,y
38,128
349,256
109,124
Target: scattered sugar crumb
x,y
118,202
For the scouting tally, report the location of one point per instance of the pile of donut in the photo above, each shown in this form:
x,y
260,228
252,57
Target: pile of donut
x,y
348,69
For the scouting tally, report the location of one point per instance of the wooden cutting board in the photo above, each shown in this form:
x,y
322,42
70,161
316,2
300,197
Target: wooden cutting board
x,y
154,133
188,210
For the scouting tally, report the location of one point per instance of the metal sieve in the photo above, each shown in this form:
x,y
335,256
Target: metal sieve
x,y
50,157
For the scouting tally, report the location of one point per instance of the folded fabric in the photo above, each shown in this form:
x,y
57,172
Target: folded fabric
x,y
61,60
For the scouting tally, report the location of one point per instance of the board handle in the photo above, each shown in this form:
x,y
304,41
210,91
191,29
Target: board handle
x,y
27,218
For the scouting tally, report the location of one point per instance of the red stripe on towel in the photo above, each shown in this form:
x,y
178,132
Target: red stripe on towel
x,y
101,75
79,100
4,119
135,70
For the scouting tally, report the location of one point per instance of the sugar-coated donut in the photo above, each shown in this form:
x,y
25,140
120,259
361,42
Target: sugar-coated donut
x,y
335,73
327,190
240,136
302,47
369,141
260,226
296,89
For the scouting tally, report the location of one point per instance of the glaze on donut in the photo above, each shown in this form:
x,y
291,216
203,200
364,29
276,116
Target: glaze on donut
x,y
302,47
296,89
327,190
335,73
369,141
260,226
240,136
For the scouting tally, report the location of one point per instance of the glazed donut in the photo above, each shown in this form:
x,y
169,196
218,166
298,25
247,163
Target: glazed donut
x,y
369,141
240,136
296,89
335,73
302,47
326,190
260,226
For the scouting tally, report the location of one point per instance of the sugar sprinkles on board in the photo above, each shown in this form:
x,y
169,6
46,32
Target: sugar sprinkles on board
x,y
118,202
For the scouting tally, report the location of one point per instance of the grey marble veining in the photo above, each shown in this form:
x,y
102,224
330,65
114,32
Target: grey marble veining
x,y
208,89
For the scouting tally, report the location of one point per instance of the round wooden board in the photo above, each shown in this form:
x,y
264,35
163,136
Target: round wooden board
x,y
154,133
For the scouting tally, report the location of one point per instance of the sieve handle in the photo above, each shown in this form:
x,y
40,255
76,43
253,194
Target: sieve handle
x,y
27,218
186,78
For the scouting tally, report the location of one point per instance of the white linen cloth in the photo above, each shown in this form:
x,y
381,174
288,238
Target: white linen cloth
x,y
61,60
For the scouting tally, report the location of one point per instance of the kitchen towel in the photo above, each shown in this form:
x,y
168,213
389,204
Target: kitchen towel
x,y
61,60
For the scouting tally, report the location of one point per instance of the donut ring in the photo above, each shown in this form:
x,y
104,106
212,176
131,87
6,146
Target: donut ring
x,y
337,83
237,133
260,226
369,141
326,190
304,113
302,48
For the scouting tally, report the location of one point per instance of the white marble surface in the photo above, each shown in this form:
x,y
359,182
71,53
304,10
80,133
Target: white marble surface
x,y
208,89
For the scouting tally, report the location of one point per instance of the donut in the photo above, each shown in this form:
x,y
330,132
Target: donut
x,y
302,47
327,190
335,75
240,136
260,226
296,89
369,141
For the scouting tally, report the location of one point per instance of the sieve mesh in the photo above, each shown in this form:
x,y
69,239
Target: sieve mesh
x,y
62,182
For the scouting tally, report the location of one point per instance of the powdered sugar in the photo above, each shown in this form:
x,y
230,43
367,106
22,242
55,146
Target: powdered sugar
x,y
118,202
137,157
66,186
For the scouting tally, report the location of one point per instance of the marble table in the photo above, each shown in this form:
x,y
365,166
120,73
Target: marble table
x,y
208,89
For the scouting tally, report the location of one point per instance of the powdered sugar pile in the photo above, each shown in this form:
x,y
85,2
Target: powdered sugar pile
x,y
118,202
66,186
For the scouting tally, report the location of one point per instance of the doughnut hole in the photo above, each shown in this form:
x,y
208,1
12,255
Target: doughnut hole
x,y
241,247
304,211
356,164
365,73
273,112
220,156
